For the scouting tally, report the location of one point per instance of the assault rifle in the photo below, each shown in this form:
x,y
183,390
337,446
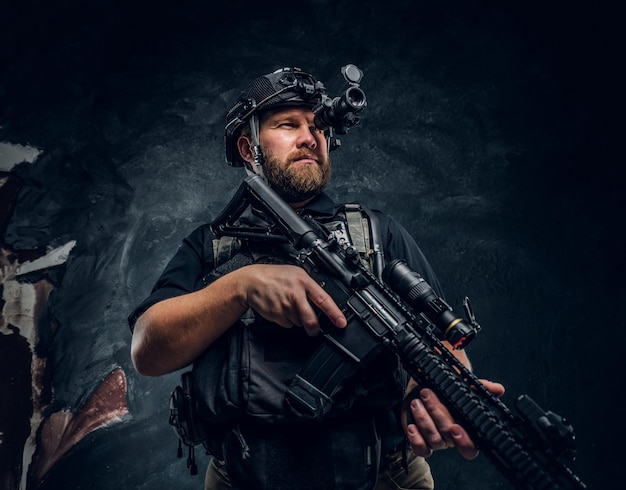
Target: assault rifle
x,y
530,446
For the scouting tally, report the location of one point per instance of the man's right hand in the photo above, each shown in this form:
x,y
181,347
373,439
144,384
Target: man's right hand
x,y
172,333
284,294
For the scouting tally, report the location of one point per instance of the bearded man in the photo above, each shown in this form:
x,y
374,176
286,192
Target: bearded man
x,y
249,323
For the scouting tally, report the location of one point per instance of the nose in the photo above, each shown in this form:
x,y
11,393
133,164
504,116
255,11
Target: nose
x,y
307,137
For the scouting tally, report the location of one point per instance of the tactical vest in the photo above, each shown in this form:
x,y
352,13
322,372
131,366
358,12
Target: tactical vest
x,y
238,385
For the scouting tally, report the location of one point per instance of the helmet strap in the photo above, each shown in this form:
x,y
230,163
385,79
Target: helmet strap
x,y
255,168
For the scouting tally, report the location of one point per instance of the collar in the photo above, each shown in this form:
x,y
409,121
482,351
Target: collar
x,y
321,206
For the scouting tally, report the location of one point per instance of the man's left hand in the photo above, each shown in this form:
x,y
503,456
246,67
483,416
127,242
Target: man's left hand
x,y
435,428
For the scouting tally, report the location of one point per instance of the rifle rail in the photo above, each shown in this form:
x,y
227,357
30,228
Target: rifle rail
x,y
517,447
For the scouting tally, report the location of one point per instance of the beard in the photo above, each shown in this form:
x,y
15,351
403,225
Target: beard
x,y
296,183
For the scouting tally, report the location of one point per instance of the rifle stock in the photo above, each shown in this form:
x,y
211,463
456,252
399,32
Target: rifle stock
x,y
530,447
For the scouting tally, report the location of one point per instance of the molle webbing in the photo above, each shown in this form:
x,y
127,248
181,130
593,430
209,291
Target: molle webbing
x,y
359,230
224,249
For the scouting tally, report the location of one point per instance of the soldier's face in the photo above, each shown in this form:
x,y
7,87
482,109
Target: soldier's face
x,y
295,153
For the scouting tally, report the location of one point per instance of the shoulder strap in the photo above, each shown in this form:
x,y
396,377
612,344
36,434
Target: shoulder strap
x,y
226,258
358,227
224,248
364,234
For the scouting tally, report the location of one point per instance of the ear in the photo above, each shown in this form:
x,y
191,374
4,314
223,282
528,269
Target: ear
x,y
244,145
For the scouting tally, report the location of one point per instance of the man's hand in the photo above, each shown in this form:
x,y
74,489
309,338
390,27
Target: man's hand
x,y
172,333
284,294
434,427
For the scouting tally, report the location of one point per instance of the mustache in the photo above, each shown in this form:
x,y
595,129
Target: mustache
x,y
297,155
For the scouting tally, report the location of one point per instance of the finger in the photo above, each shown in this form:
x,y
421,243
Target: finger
x,y
437,411
451,432
462,442
326,304
308,320
426,426
417,442
496,389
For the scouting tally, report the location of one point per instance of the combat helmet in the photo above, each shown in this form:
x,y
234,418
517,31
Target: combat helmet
x,y
283,87
293,87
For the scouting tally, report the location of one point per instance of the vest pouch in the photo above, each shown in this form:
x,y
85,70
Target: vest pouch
x,y
275,356
248,370
218,375
185,416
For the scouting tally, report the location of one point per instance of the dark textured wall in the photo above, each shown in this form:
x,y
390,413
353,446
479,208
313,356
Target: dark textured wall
x,y
488,134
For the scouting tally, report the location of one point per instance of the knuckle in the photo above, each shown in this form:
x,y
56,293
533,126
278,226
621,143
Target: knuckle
x,y
318,300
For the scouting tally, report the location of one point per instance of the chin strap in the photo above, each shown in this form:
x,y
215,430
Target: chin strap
x,y
255,168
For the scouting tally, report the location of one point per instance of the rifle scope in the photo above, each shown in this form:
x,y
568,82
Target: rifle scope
x,y
420,296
